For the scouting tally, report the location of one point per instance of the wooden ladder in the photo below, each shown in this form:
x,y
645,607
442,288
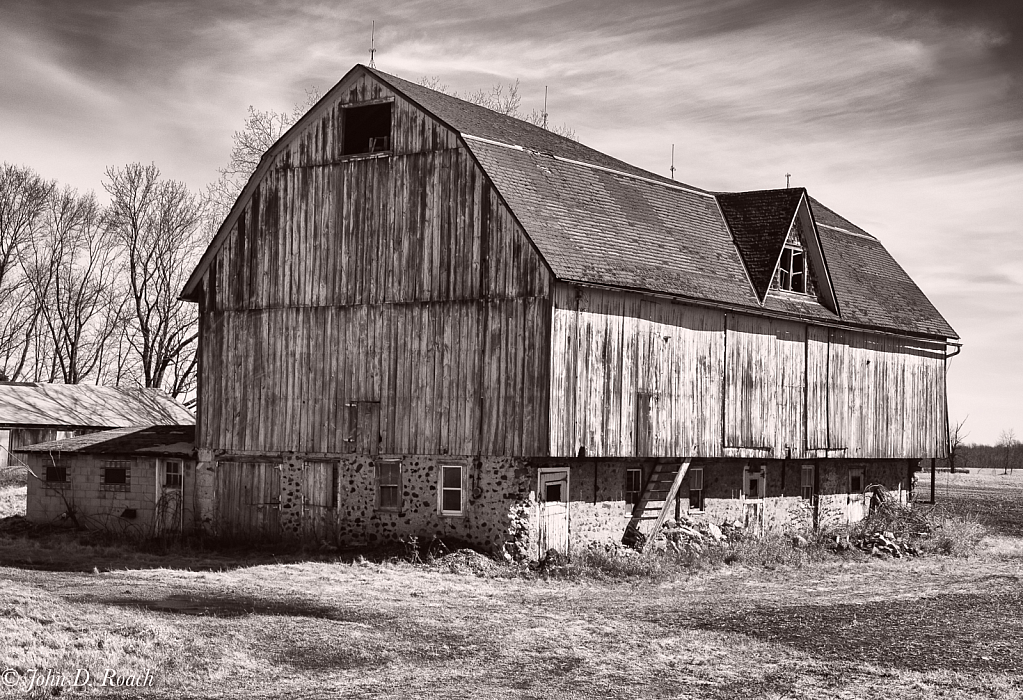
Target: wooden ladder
x,y
658,497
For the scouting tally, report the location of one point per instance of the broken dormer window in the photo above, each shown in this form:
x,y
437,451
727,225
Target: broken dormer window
x,y
791,275
367,129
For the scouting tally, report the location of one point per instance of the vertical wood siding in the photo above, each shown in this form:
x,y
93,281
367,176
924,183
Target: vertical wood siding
x,y
635,377
400,281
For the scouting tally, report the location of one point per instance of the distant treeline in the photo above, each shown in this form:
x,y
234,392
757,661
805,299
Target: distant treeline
x,y
990,456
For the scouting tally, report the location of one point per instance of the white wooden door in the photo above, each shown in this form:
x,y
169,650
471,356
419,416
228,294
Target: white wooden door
x,y
552,498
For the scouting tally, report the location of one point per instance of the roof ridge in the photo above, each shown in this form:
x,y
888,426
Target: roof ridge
x,y
851,233
584,164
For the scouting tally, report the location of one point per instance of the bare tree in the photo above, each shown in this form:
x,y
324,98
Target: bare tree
x,y
262,129
158,226
24,196
956,439
1008,445
72,271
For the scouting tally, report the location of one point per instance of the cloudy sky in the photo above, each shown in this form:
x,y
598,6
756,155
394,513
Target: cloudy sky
x,y
906,116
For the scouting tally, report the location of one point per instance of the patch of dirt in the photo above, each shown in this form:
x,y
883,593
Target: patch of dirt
x,y
964,632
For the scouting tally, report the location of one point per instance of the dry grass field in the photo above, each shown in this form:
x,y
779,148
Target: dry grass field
x,y
273,624
995,498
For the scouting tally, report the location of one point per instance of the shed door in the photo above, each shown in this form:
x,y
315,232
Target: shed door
x,y
248,499
552,498
170,475
319,499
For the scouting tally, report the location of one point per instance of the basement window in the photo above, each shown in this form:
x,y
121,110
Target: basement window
x,y
806,485
116,476
389,485
633,485
696,489
791,275
367,129
856,480
452,497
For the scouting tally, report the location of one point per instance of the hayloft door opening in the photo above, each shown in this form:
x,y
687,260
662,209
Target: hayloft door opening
x,y
170,475
552,502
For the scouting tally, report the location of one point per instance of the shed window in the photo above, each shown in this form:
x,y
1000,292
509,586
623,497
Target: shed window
x,y
792,270
117,476
806,485
452,496
389,485
696,489
56,474
172,474
367,129
633,485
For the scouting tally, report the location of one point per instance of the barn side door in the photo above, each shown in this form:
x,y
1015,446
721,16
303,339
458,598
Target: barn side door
x,y
248,498
319,500
552,503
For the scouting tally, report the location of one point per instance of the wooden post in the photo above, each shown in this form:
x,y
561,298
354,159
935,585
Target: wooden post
x,y
933,479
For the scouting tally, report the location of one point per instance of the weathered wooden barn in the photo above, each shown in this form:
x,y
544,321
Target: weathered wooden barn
x,y
422,317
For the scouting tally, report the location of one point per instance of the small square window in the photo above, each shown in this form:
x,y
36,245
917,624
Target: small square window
x,y
696,489
117,476
367,129
452,498
633,485
389,485
806,484
172,474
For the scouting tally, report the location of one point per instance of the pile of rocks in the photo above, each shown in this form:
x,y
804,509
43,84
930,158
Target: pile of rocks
x,y
688,536
885,543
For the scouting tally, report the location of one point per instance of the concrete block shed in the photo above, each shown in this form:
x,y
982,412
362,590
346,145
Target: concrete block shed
x,y
423,317
138,480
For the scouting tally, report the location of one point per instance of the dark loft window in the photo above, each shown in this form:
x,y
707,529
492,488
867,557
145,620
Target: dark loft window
x,y
792,270
633,485
366,129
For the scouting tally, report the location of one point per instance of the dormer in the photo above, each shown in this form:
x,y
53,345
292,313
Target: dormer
x,y
777,240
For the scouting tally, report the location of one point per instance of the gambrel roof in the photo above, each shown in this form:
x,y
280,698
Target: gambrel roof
x,y
598,220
